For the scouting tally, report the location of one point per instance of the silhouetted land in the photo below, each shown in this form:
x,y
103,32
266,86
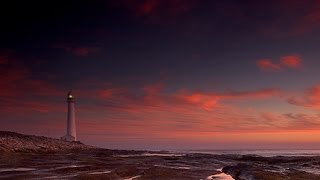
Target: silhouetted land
x,y
33,157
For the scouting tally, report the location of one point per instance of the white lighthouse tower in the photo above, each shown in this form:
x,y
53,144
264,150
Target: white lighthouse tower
x,y
71,123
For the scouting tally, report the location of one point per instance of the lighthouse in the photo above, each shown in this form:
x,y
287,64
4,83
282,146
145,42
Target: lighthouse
x,y
71,121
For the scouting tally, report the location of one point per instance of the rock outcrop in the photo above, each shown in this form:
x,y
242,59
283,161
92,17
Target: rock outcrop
x,y
15,142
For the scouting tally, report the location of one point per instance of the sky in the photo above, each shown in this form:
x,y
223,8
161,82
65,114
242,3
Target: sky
x,y
164,74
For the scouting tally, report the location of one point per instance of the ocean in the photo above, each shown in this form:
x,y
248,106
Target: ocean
x,y
264,153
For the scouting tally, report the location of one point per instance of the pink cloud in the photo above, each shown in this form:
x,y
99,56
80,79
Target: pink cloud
x,y
267,64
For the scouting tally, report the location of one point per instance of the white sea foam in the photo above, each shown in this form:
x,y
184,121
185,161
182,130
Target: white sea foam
x,y
132,178
60,177
311,170
125,156
163,154
65,167
99,172
16,169
173,167
151,154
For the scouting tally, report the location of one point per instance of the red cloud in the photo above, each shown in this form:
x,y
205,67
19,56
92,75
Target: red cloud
x,y
267,64
292,61
154,99
205,101
289,61
153,112
310,99
210,104
209,101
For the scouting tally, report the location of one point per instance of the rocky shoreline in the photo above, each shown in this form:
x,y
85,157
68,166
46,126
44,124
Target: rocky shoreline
x,y
275,168
15,142
33,157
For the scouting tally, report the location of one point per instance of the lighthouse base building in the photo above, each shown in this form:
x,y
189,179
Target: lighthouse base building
x,y
69,138
71,121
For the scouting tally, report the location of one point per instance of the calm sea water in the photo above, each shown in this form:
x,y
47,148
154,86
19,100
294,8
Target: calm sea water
x,y
265,153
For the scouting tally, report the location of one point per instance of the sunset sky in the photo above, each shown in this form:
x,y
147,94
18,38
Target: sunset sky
x,y
164,74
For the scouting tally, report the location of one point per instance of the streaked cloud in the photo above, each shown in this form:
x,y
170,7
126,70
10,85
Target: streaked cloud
x,y
22,93
292,121
310,98
210,100
267,64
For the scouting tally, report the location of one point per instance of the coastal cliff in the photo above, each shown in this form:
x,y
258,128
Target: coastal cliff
x,y
15,142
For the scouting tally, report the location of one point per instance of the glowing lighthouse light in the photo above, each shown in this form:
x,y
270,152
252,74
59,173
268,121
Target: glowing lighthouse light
x,y
71,121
